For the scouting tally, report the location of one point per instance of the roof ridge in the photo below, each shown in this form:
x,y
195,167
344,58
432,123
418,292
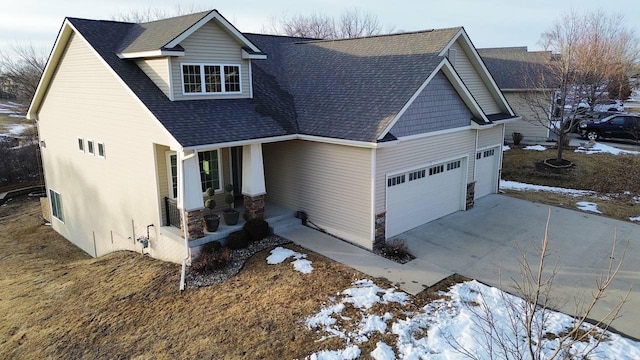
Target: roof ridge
x,y
389,35
204,13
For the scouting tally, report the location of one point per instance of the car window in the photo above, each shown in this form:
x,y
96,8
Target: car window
x,y
618,120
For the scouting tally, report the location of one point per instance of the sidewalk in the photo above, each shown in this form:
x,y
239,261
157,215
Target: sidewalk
x,y
412,277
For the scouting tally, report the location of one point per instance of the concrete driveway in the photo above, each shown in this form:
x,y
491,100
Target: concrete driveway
x,y
481,244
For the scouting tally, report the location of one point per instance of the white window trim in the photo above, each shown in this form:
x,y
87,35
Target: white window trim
x,y
104,151
83,150
91,151
51,205
202,79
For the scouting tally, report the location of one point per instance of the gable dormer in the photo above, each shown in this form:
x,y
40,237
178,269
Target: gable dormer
x,y
197,56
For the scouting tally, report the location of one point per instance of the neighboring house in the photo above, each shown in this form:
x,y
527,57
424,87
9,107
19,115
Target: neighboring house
x,y
517,72
369,137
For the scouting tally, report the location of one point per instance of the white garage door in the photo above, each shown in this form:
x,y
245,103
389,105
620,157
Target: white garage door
x,y
422,195
486,172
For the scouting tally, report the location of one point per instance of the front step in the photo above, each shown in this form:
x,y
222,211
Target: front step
x,y
283,224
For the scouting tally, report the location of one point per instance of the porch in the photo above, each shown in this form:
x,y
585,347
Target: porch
x,y
278,217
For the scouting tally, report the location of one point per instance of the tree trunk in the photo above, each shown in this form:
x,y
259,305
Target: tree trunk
x,y
561,137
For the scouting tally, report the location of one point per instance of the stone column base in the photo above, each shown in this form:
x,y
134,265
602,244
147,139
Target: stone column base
x,y
254,207
380,228
471,194
195,224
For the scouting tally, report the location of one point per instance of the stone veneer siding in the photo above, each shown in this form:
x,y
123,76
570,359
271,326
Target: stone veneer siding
x,y
254,207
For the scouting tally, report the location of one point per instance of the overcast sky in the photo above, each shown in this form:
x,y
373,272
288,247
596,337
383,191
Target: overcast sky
x,y
489,23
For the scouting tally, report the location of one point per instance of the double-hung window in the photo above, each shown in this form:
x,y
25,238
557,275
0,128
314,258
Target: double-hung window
x,y
210,79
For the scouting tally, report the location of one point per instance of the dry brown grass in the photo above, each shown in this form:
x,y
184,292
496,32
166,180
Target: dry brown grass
x,y
603,173
57,302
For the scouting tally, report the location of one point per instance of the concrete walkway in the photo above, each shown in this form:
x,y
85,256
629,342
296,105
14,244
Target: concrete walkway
x,y
412,277
481,244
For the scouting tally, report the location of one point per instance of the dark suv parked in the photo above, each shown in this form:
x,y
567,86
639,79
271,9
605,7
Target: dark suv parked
x,y
622,126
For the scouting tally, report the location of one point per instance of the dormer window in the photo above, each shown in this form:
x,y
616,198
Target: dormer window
x,y
210,79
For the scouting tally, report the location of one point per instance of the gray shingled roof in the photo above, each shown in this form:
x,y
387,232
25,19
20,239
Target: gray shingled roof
x,y
208,121
352,89
516,67
347,89
155,35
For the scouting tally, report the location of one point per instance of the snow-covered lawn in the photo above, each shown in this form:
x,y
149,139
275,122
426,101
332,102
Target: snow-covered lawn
x,y
444,328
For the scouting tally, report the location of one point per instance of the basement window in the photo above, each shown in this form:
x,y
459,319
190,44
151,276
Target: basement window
x,y
56,205
81,144
101,150
90,147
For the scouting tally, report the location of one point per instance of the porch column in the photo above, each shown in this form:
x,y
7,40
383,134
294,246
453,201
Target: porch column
x,y
253,187
190,193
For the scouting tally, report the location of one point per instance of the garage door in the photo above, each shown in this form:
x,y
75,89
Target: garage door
x,y
425,194
486,172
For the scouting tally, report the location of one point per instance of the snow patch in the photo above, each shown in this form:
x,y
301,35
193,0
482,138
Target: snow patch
x,y
505,148
588,206
535,147
518,186
599,148
383,352
17,129
350,353
280,254
637,218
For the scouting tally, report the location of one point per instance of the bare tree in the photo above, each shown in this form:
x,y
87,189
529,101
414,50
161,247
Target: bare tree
x,y
529,316
152,14
21,68
352,23
586,52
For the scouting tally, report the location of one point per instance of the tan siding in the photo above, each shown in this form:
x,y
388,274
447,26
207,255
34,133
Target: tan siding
x,y
158,71
111,199
210,44
329,182
490,137
529,126
418,152
473,81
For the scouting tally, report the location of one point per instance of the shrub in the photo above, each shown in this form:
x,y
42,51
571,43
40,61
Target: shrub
x,y
517,138
211,247
258,229
396,248
239,240
213,260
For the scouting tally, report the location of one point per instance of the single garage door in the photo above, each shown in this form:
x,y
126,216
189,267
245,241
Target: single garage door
x,y
425,194
486,172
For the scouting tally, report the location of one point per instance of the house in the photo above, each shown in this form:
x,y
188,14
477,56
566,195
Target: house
x,y
517,72
369,137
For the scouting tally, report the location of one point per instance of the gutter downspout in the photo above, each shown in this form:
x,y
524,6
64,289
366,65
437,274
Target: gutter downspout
x,y
184,220
186,249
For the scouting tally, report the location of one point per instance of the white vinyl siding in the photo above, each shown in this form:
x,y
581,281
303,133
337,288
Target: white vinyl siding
x,y
426,151
331,183
86,97
158,71
531,126
490,137
469,75
211,45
